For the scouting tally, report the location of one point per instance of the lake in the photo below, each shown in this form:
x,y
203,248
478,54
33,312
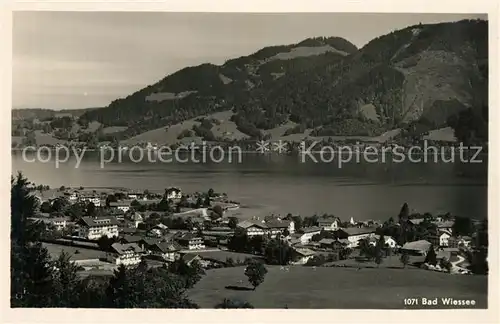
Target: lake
x,y
281,184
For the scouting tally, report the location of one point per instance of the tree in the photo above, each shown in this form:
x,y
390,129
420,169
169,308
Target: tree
x,y
76,211
207,201
23,205
366,249
345,253
105,243
379,250
405,259
298,222
45,207
164,205
199,202
59,204
218,210
91,209
31,271
404,213
445,264
233,222
479,261
66,281
462,226
110,199
431,257
229,262
120,291
233,303
190,273
256,272
277,252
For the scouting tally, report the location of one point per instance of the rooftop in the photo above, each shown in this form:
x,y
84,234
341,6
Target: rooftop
x,y
311,229
247,224
278,224
358,231
421,245
98,221
168,246
131,238
304,251
122,248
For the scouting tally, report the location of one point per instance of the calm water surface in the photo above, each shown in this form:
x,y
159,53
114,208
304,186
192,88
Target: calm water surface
x,y
282,184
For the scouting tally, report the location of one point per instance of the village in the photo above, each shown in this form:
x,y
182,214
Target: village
x,y
101,229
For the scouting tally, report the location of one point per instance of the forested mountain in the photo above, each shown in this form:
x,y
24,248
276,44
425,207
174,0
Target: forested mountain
x,y
421,74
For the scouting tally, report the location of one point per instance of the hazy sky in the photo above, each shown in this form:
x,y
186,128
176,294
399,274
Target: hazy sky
x,y
87,59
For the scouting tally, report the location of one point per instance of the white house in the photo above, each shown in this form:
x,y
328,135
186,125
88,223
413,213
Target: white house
x,y
354,234
168,251
308,233
124,206
126,254
329,223
388,241
73,196
445,226
93,228
191,242
93,199
279,226
59,223
173,193
302,255
444,238
253,229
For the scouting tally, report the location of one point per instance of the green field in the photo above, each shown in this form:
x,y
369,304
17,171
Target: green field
x,y
305,287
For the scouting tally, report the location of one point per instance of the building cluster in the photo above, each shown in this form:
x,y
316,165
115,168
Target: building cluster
x,y
132,242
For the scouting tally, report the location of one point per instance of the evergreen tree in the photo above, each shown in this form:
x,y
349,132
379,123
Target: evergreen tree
x,y
31,270
119,292
431,257
380,250
66,281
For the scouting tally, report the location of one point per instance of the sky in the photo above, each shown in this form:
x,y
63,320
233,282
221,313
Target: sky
x,y
68,60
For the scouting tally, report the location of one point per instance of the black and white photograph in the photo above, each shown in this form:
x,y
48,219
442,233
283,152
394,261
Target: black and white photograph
x,y
225,160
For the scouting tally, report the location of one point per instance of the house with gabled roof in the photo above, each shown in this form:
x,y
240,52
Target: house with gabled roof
x,y
126,254
420,247
329,223
276,226
253,228
93,228
190,241
173,193
302,255
168,251
308,233
355,234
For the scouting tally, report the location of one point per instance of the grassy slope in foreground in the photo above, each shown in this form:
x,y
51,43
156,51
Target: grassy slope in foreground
x,y
304,287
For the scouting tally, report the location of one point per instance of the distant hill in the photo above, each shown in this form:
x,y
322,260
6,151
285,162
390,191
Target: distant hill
x,y
41,113
414,80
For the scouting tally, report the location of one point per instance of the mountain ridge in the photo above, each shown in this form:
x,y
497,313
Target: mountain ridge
x,y
418,78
